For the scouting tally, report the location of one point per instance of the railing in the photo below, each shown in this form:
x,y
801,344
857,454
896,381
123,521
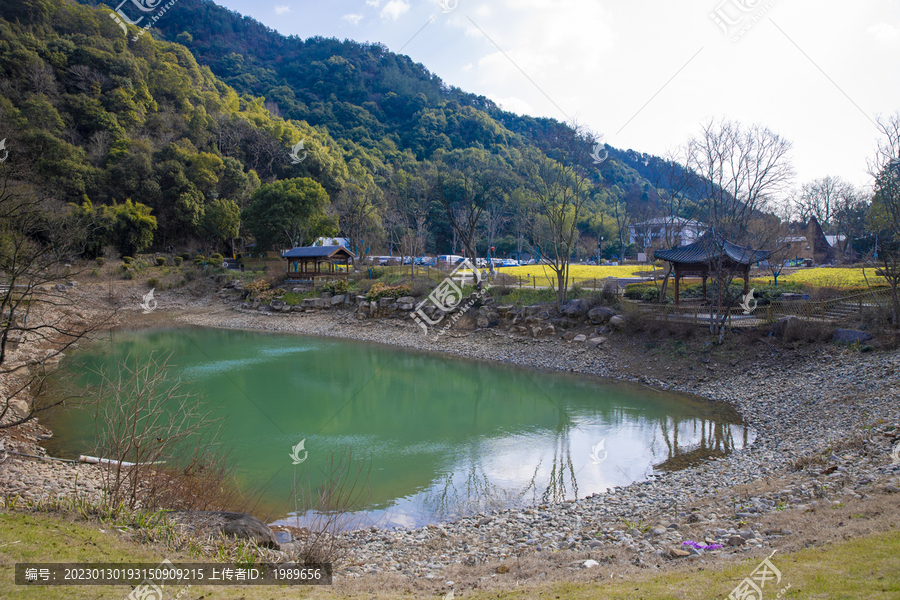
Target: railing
x,y
834,309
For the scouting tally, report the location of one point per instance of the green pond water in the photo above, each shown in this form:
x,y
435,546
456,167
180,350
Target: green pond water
x,y
441,436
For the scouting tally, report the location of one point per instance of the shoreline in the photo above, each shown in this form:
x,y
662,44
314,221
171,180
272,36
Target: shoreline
x,y
783,403
797,403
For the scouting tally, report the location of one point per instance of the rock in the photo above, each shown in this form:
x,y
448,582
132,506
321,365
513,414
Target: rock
x,y
531,310
850,336
297,308
337,300
277,304
590,563
575,309
407,307
503,569
736,540
20,407
579,338
245,306
784,323
569,336
406,300
549,330
596,341
254,304
286,308
658,530
601,315
678,553
385,302
264,308
61,288
482,322
504,311
326,295
233,524
618,323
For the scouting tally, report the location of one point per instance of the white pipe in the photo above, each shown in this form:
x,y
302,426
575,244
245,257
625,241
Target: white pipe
x,y
93,460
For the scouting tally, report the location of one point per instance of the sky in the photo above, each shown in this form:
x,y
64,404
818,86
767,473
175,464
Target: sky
x,y
646,73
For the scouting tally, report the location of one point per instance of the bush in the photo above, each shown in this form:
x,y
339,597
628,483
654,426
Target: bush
x,y
216,256
178,261
127,260
100,261
380,290
128,274
336,287
199,260
95,273
186,256
160,261
190,275
153,282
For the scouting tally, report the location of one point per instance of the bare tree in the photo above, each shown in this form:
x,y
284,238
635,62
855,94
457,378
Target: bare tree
x,y
742,170
407,214
39,238
821,198
357,207
465,185
883,218
559,177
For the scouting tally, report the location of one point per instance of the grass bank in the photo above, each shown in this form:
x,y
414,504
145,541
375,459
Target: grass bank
x,y
866,567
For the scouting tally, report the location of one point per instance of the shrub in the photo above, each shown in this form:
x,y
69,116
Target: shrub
x,y
380,290
255,288
153,282
160,261
95,273
178,261
336,287
128,274
199,260
100,261
216,256
127,260
186,256
190,275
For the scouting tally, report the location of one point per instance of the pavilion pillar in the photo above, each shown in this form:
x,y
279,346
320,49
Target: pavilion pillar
x,y
705,277
677,282
747,280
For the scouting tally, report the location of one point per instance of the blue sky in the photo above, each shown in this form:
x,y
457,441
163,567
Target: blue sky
x,y
646,73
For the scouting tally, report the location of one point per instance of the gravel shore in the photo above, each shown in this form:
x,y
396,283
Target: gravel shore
x,y
827,420
832,408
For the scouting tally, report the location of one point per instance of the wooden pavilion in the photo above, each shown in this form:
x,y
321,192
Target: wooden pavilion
x,y
318,261
710,252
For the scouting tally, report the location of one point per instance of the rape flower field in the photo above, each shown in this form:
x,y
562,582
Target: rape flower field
x,y
834,277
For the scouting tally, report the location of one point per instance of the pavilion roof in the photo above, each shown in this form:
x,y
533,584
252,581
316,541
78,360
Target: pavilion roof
x,y
318,252
709,248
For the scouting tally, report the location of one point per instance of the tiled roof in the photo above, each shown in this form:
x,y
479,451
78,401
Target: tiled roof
x,y
316,252
710,247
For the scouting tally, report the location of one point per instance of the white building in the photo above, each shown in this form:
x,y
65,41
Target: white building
x,y
665,231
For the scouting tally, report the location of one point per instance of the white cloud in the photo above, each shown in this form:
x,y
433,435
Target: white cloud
x,y
353,19
513,104
373,3
394,9
885,33
281,9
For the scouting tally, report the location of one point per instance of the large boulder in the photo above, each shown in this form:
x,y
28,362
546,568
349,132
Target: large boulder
x,y
575,309
600,315
406,300
618,323
385,302
206,523
850,336
531,310
339,299
785,323
277,304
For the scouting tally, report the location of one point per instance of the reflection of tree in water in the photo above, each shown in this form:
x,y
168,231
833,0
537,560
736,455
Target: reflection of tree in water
x,y
717,438
477,494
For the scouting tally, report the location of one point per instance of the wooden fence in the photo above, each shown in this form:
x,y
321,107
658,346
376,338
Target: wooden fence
x,y
823,311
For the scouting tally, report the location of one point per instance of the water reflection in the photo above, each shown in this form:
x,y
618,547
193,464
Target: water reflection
x,y
445,437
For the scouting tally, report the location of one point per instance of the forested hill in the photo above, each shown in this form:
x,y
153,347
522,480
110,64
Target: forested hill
x,y
191,123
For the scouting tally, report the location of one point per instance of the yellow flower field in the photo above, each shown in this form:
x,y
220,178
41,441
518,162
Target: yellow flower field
x,y
576,272
833,277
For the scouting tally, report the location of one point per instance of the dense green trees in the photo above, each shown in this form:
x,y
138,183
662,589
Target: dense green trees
x,y
288,213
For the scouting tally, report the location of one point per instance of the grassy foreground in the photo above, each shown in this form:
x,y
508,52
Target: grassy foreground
x,y
866,567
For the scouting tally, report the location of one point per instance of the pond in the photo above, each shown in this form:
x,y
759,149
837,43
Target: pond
x,y
441,436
